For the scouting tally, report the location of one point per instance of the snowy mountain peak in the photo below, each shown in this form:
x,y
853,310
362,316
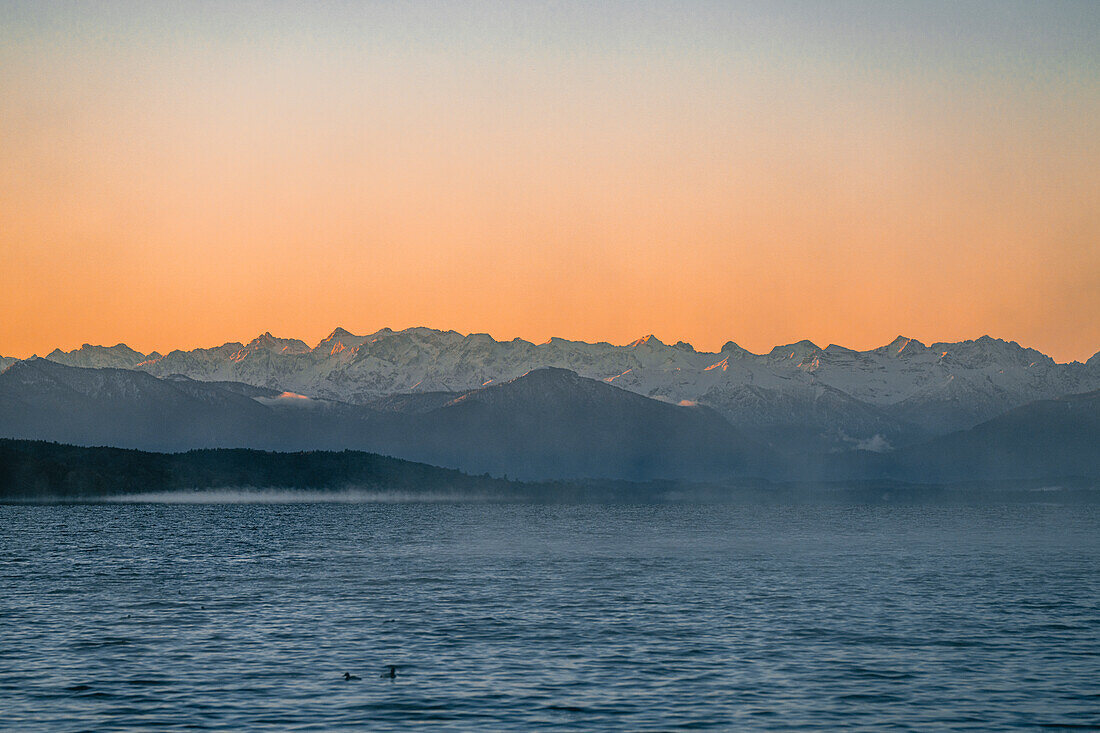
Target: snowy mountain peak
x,y
796,352
119,356
339,334
989,351
343,340
649,340
266,342
902,346
482,337
734,350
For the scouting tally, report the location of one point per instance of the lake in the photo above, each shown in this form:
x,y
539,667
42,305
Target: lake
x,y
235,616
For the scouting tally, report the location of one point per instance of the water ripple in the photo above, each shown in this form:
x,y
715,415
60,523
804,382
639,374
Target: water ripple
x,y
508,617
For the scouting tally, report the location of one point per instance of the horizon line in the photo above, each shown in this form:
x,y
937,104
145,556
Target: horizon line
x,y
637,342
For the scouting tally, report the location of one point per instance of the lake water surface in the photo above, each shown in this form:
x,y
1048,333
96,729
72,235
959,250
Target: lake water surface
x,y
521,617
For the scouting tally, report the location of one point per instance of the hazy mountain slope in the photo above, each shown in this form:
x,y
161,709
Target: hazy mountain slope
x,y
413,402
808,417
553,423
1046,438
550,423
40,399
1050,439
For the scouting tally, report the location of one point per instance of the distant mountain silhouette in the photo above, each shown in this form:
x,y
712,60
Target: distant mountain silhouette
x,y
1058,437
549,423
553,423
1055,438
42,399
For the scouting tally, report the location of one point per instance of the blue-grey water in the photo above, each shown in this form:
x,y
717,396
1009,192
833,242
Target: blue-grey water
x,y
517,617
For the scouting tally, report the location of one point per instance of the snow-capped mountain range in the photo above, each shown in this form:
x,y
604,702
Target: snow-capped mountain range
x,y
835,396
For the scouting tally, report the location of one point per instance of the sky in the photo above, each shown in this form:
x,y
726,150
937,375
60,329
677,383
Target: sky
x,y
184,174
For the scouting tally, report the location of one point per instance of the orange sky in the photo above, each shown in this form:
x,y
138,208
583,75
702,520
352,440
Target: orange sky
x,y
186,176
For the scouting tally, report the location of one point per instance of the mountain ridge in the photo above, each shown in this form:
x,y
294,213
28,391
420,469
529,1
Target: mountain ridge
x,y
547,423
904,391
339,333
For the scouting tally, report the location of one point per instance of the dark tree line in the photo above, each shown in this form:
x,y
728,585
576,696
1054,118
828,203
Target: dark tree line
x,y
36,469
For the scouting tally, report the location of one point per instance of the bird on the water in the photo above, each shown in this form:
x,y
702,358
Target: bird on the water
x,y
391,674
348,676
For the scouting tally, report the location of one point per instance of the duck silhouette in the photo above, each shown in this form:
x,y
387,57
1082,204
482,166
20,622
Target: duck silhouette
x,y
391,674
348,676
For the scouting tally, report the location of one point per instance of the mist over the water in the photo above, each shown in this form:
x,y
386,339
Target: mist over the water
x,y
249,495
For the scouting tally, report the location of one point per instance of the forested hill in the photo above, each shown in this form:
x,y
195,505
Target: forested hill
x,y
40,470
